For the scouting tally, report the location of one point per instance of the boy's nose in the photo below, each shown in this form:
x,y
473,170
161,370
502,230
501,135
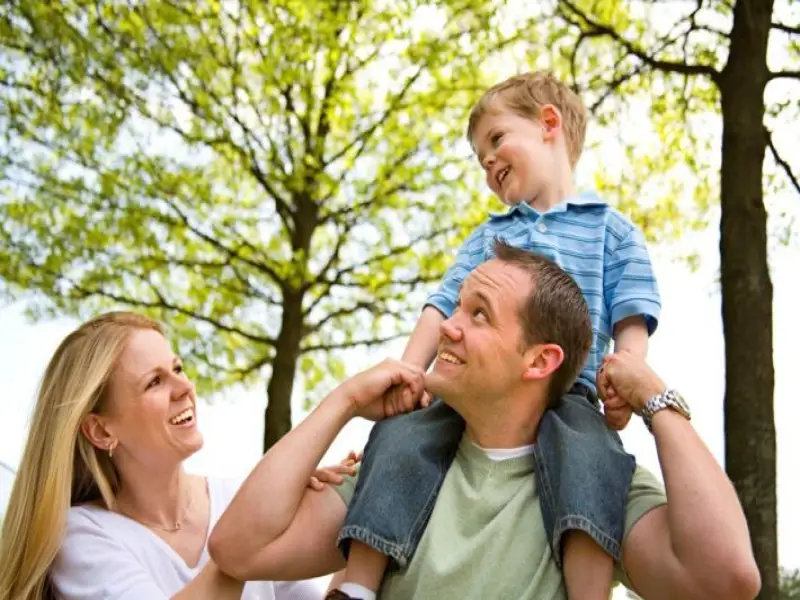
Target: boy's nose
x,y
488,161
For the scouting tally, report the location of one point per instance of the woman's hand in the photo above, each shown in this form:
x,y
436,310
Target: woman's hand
x,y
335,475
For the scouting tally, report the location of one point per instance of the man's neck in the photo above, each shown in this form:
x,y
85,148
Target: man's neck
x,y
510,424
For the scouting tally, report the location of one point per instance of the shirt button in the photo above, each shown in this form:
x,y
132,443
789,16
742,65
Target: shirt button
x,y
541,227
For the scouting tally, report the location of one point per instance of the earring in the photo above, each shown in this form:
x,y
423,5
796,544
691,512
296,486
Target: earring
x,y
111,447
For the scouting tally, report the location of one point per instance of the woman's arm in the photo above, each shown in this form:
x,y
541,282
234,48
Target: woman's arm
x,y
278,528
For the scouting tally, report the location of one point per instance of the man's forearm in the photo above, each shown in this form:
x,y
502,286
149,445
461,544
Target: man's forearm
x,y
266,504
421,348
707,526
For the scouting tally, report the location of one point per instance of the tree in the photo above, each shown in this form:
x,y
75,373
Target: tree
x,y
687,61
268,178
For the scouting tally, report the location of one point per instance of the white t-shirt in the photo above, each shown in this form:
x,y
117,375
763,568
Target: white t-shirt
x,y
106,556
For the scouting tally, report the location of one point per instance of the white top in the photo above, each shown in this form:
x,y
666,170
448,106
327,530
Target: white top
x,y
106,556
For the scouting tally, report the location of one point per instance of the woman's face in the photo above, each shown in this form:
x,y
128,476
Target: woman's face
x,y
150,406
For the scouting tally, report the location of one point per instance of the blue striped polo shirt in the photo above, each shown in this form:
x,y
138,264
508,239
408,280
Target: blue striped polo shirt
x,y
598,246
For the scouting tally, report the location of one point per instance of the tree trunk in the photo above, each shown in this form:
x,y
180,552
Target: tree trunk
x,y
746,286
278,414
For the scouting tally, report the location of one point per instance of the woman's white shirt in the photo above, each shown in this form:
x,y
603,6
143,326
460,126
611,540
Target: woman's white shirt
x,y
106,556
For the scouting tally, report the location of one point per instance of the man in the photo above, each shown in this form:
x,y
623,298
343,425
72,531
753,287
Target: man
x,y
520,326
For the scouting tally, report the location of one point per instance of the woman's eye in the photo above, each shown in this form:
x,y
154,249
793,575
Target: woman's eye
x,y
154,382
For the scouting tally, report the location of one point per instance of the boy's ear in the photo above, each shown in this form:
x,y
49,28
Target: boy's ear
x,y
550,117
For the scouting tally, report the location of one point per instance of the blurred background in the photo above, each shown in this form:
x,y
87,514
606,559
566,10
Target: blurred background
x,y
282,182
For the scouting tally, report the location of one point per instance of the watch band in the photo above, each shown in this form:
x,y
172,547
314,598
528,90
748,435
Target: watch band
x,y
669,398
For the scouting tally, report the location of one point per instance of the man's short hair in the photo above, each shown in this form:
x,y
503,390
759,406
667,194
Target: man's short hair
x,y
555,312
526,94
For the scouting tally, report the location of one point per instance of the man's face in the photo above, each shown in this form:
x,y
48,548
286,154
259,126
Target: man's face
x,y
480,348
513,153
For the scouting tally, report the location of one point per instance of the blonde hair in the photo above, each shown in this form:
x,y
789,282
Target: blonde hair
x,y
526,94
60,467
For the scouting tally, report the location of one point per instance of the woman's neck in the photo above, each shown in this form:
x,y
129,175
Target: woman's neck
x,y
159,498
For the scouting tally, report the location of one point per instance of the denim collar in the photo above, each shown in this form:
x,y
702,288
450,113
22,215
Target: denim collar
x,y
582,199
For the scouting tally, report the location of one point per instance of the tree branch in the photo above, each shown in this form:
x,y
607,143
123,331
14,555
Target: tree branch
x,y
597,29
784,74
786,28
352,344
783,164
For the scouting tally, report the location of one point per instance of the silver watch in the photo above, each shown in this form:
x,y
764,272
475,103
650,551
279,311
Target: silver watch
x,y
667,399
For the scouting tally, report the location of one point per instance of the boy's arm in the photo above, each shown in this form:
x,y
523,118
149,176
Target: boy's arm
x,y
424,341
631,335
631,293
421,347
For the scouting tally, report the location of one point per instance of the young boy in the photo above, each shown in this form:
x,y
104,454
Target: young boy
x,y
528,133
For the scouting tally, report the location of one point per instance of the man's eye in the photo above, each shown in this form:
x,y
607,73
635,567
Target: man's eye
x,y
479,313
178,369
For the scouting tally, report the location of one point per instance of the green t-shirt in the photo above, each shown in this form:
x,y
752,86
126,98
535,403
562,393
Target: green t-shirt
x,y
486,537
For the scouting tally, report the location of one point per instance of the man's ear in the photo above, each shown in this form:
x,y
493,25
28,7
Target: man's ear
x,y
550,118
95,430
541,361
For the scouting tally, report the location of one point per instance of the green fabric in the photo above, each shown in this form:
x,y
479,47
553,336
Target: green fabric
x,y
486,538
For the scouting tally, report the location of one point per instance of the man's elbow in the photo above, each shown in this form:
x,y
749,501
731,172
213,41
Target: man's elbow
x,y
740,580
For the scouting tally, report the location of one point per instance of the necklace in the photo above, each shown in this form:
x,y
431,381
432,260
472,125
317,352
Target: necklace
x,y
177,526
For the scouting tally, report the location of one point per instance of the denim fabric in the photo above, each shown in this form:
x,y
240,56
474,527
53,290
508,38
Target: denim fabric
x,y
583,473
583,477
405,462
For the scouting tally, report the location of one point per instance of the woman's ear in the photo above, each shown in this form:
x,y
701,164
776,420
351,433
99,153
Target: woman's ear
x,y
94,429
542,360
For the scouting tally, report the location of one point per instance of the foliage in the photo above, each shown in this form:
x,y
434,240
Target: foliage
x,y
273,179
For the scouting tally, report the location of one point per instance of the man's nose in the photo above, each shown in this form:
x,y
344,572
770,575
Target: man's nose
x,y
450,329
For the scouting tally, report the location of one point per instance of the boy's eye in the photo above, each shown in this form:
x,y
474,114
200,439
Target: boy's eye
x,y
496,137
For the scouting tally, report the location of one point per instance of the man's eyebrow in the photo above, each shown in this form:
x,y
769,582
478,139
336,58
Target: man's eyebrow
x,y
484,297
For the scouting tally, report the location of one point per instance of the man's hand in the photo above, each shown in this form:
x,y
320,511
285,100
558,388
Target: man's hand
x,y
368,392
625,379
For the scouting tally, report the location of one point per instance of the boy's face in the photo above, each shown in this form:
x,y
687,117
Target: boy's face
x,y
515,153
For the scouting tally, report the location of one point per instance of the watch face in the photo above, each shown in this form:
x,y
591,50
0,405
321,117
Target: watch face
x,y
680,403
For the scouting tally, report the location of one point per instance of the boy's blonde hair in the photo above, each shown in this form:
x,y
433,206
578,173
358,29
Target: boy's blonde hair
x,y
526,94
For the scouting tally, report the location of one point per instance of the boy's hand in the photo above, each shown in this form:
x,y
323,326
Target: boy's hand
x,y
394,397
617,412
335,475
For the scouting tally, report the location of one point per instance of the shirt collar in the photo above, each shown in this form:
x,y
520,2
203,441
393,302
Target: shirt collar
x,y
582,199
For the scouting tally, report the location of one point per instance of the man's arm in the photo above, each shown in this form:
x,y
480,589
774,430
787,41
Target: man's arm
x,y
278,528
698,545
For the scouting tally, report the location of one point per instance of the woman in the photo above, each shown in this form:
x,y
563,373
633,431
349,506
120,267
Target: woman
x,y
101,506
